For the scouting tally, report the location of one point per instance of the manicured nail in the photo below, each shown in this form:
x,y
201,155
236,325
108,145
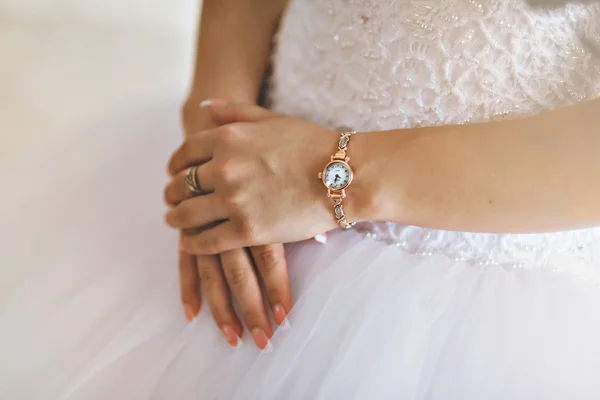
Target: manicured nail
x,y
321,238
232,338
190,314
281,317
261,340
212,102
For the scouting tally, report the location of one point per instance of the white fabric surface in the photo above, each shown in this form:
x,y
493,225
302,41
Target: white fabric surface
x,y
68,65
65,64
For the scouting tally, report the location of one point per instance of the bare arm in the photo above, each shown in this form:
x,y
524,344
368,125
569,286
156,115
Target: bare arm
x,y
233,47
538,173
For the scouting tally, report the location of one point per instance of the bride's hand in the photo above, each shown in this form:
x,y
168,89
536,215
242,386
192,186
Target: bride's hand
x,y
205,273
262,175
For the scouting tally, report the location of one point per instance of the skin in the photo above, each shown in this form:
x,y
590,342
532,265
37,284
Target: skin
x,y
233,47
262,167
400,176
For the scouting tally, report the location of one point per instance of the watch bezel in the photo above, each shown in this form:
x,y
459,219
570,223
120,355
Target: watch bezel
x,y
351,173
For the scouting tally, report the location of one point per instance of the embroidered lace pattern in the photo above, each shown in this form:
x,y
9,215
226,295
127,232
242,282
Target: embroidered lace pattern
x,y
388,64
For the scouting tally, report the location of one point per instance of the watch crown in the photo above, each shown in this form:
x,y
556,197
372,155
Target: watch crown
x,y
320,175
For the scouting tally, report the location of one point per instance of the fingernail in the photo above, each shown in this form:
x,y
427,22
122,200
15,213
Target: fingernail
x,y
190,314
232,338
181,244
212,102
261,340
281,317
321,238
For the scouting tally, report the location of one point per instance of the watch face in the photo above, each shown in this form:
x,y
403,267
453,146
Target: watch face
x,y
337,176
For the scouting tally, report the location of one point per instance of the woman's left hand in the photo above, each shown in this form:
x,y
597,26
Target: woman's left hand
x,y
260,170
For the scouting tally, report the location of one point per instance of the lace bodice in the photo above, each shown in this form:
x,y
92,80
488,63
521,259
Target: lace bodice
x,y
387,64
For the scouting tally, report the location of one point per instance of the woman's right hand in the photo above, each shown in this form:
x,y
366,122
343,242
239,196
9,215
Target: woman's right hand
x,y
215,276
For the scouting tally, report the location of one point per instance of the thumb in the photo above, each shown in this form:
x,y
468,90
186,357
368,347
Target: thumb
x,y
228,112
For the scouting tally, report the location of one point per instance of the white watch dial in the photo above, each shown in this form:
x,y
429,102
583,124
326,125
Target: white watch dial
x,y
337,176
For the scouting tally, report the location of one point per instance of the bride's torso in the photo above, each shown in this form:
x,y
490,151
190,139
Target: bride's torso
x,y
387,64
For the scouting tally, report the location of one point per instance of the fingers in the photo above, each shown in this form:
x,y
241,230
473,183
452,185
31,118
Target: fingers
x,y
196,149
225,112
214,287
223,237
189,285
199,147
272,267
195,212
175,191
243,282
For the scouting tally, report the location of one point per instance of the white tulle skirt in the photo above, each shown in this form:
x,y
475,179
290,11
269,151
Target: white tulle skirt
x,y
90,301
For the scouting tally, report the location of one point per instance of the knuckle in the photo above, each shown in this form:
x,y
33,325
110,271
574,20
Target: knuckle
x,y
207,276
237,276
208,245
248,230
230,133
225,170
226,136
267,259
234,200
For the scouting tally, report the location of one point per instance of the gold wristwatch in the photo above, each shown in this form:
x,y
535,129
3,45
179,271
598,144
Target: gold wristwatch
x,y
337,176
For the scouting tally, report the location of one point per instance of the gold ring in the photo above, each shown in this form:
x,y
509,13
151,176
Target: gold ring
x,y
190,182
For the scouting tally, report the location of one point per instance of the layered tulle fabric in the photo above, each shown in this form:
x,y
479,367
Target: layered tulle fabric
x,y
90,303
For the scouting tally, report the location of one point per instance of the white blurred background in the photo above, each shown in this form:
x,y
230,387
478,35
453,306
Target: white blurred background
x,y
71,69
67,63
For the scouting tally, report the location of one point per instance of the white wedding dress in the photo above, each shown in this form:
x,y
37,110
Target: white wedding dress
x,y
381,312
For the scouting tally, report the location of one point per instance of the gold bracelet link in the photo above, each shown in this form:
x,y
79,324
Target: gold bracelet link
x,y
338,199
338,194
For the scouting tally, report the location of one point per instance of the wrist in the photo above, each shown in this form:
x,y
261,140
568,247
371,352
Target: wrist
x,y
363,202
360,199
382,176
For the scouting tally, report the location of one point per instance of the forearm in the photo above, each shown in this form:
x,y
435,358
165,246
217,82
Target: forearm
x,y
540,173
234,43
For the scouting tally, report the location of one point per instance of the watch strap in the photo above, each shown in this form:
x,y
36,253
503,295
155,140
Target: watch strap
x,y
338,198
